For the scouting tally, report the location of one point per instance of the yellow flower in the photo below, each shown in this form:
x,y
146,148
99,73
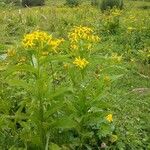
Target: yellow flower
x,y
130,29
66,66
45,53
22,59
82,33
40,39
74,46
109,118
55,43
89,46
116,12
36,38
107,79
132,18
11,52
81,63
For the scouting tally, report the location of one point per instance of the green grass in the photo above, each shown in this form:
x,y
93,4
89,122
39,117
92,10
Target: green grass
x,y
129,97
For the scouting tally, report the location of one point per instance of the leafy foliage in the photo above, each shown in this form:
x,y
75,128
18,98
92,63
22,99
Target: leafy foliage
x,y
33,2
73,3
79,91
109,4
95,2
34,69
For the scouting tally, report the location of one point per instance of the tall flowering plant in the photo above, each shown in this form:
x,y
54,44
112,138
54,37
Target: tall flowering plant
x,y
31,68
60,91
85,104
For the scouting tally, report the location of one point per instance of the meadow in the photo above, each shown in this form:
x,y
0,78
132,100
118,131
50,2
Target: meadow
x,y
75,78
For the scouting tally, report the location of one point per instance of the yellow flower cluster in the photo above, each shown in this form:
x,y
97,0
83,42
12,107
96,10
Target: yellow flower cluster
x,y
55,43
82,33
109,118
81,63
116,12
35,39
132,18
41,39
11,52
22,59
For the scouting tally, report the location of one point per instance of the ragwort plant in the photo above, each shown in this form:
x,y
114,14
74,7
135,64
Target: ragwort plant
x,y
134,34
60,90
86,106
111,21
31,68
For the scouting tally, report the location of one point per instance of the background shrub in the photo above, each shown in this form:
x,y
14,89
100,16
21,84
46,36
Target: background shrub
x,y
73,3
16,2
109,4
94,2
33,2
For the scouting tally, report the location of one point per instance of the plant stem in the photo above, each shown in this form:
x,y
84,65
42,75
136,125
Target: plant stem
x,y
54,88
41,111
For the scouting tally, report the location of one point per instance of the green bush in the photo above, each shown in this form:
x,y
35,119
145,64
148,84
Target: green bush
x,y
16,2
95,2
109,4
73,3
33,2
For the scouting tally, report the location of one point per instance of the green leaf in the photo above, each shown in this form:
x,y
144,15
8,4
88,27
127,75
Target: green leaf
x,y
27,68
59,92
20,83
105,130
54,108
34,61
65,123
55,58
116,77
54,147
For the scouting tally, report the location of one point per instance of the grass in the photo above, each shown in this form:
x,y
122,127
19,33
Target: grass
x,y
129,97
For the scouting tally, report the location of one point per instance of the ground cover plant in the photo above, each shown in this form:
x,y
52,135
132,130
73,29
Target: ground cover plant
x,y
74,79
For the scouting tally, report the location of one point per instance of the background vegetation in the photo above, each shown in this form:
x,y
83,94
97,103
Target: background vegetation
x,y
118,71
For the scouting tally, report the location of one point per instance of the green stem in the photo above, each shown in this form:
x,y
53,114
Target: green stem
x,y
41,110
54,88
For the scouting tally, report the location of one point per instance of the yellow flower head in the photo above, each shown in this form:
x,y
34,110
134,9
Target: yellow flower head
x,y
82,34
54,43
40,39
11,52
107,79
130,29
66,66
45,53
116,12
109,118
81,63
35,38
